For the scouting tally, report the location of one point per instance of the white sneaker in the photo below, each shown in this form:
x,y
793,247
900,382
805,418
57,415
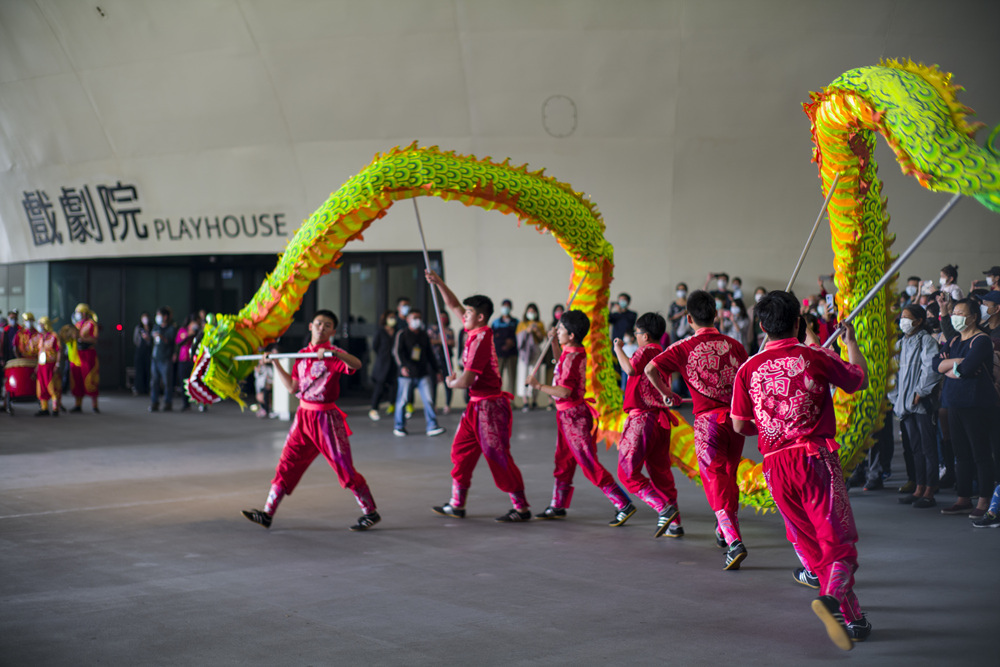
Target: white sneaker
x,y
399,432
374,415
436,431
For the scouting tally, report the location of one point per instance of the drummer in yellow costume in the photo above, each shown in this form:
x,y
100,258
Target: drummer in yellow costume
x,y
48,386
84,369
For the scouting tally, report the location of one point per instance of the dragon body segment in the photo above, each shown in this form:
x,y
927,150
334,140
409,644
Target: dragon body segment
x,y
913,106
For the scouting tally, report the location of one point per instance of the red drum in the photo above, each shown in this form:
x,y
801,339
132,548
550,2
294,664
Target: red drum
x,y
19,378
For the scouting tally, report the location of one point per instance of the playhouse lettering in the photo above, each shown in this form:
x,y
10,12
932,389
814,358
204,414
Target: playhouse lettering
x,y
220,226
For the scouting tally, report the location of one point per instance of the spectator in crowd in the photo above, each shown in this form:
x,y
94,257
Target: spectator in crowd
x,y
677,315
736,287
10,329
142,339
530,335
949,276
184,352
629,346
720,290
263,384
440,350
505,341
621,318
757,338
914,403
992,278
992,517
736,323
384,369
161,377
969,395
415,361
911,293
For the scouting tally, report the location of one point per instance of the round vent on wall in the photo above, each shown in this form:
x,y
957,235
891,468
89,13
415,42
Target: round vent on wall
x,y
559,116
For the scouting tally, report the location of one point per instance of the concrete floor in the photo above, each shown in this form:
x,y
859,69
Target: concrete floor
x,y
122,544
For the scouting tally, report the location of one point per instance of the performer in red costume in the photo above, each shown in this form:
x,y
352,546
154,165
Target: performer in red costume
x,y
575,445
48,385
319,426
708,362
25,338
487,420
646,435
85,370
783,395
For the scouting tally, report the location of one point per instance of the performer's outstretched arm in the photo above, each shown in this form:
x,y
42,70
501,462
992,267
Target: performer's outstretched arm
x,y
450,300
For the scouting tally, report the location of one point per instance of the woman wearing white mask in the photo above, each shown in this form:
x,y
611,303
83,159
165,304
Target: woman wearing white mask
x,y
969,394
677,315
530,334
948,282
913,402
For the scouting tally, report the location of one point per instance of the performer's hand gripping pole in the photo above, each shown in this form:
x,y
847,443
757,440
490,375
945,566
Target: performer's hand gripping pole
x,y
548,341
895,267
434,294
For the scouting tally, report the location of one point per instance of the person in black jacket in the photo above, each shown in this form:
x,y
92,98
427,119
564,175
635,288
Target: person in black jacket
x,y
417,365
384,367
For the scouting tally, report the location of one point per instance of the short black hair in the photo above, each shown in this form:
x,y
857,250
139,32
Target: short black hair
x,y
166,312
653,324
778,312
917,278
735,278
684,285
414,311
576,323
507,302
627,296
481,304
401,300
327,313
701,307
723,275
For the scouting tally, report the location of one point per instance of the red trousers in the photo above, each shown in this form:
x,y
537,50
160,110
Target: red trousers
x,y
575,447
323,432
85,378
485,431
810,493
720,449
645,442
48,384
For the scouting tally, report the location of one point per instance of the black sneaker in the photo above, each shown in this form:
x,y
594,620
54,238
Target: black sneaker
x,y
367,521
806,578
514,516
153,407
667,517
924,503
551,513
43,413
989,520
76,409
674,530
96,411
622,515
449,510
737,554
258,516
827,609
720,540
859,630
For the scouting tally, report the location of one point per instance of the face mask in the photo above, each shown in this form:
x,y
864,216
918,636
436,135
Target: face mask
x,y
391,321
942,281
984,312
159,320
415,323
145,321
737,293
12,321
404,310
623,303
911,290
532,315
958,321
757,297
718,304
905,325
991,280
77,317
721,284
681,294
735,312
505,310
39,327
628,341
